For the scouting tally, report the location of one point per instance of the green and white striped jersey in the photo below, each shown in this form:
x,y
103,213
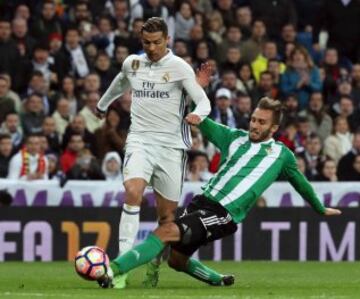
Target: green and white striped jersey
x,y
247,169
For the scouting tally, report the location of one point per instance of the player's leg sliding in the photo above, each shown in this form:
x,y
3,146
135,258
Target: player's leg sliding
x,y
128,228
203,273
139,255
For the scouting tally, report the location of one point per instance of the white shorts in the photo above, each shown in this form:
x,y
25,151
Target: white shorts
x,y
161,167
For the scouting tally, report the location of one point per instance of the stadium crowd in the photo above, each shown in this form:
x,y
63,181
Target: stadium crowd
x,y
58,57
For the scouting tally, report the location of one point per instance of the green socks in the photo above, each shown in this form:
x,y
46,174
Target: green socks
x,y
139,255
199,271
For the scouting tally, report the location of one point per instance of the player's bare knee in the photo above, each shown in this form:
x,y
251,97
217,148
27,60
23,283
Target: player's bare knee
x,y
133,195
167,232
176,264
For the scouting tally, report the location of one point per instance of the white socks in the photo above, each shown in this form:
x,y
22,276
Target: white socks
x,y
128,227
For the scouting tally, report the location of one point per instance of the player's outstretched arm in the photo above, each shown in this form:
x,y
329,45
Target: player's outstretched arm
x,y
117,87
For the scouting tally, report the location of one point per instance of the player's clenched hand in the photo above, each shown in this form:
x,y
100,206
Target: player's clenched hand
x,y
99,114
203,74
193,119
332,212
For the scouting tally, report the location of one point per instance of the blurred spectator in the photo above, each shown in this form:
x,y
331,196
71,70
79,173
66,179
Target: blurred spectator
x,y
232,39
29,163
300,162
121,52
233,59
37,84
105,71
242,111
6,150
49,131
288,35
340,142
312,156
10,60
7,105
5,198
25,43
274,67
62,116
198,167
34,114
215,27
111,167
47,23
275,14
227,10
41,62
301,77
121,16
54,169
68,92
106,37
287,136
85,168
246,82
345,172
291,109
260,64
71,153
22,11
251,48
346,108
244,20
356,84
222,112
88,112
12,126
6,90
71,59
355,172
184,21
229,81
265,88
81,13
342,22
332,72
149,8
44,145
109,138
303,132
320,121
327,171
132,41
78,126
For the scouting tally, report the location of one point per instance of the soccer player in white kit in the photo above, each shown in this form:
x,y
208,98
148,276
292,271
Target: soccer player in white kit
x,y
159,133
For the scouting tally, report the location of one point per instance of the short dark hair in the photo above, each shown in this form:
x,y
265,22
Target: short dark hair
x,y
274,105
4,136
155,24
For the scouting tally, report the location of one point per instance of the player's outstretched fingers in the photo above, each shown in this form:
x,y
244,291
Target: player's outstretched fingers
x,y
332,212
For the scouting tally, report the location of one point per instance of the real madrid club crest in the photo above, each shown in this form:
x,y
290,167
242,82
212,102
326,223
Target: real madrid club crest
x,y
135,64
166,77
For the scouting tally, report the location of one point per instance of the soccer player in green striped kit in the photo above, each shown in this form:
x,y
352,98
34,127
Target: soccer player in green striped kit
x,y
250,163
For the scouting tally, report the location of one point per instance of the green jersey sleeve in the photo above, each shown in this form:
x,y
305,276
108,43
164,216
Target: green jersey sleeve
x,y
291,172
218,134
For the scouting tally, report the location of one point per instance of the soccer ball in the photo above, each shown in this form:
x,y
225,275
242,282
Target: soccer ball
x,y
91,263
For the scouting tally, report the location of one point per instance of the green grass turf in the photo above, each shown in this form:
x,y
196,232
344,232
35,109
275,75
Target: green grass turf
x,y
253,280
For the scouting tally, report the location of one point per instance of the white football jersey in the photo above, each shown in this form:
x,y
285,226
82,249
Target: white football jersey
x,y
158,99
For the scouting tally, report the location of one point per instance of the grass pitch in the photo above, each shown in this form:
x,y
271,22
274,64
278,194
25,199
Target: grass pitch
x,y
253,280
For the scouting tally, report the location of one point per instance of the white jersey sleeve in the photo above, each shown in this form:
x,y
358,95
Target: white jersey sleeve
x,y
117,87
196,92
